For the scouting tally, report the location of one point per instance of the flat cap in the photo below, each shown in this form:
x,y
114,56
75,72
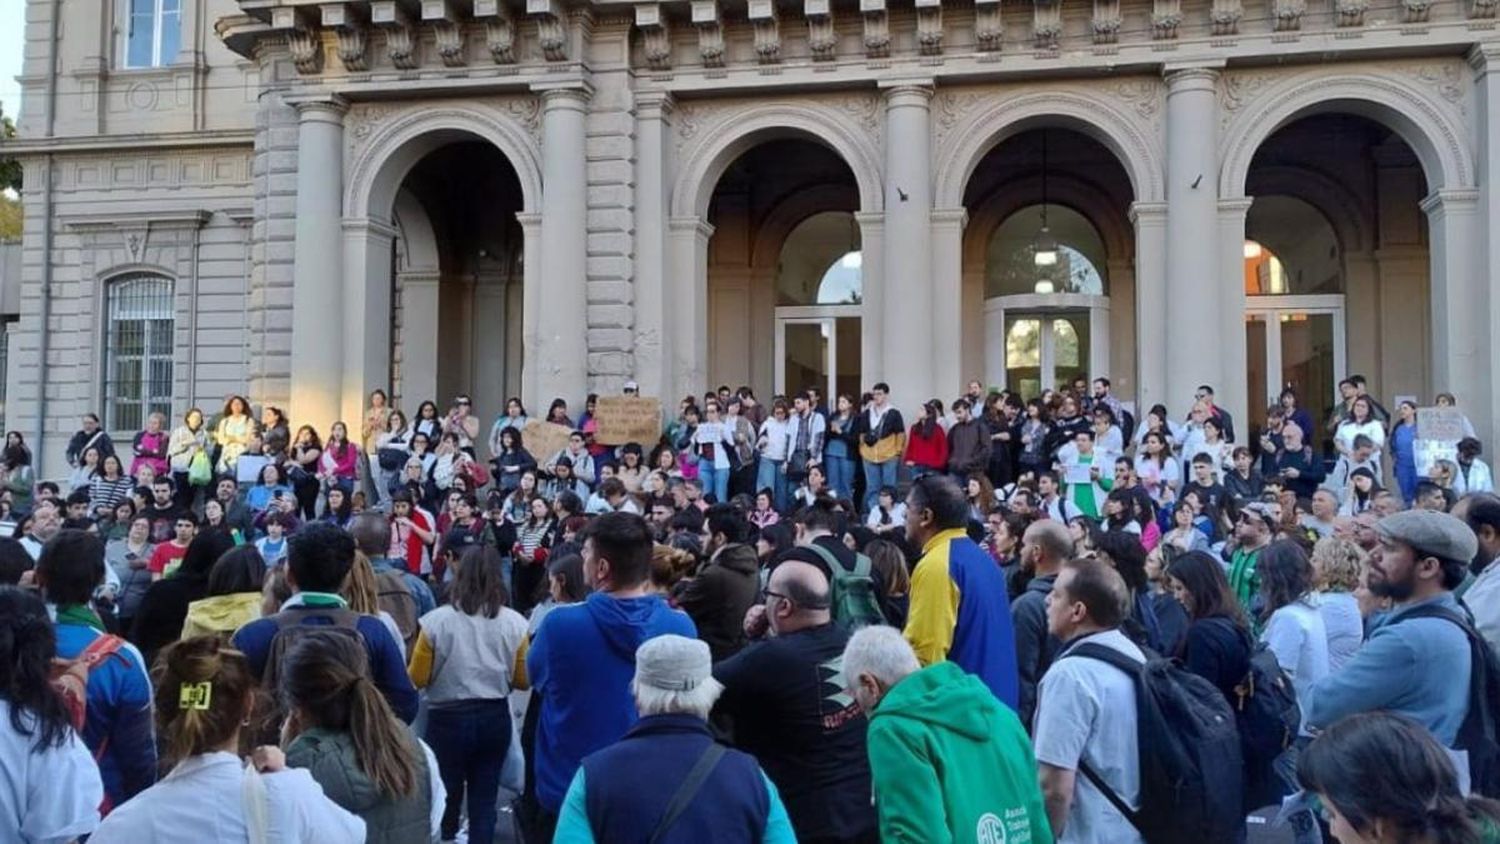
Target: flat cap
x,y
1430,533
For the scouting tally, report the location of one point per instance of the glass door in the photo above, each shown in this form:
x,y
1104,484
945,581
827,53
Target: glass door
x,y
1296,342
1043,350
821,351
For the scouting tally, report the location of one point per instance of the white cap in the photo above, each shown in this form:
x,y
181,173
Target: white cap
x,y
672,663
632,386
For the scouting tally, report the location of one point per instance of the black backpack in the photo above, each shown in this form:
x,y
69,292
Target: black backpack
x,y
1267,711
1478,735
1191,773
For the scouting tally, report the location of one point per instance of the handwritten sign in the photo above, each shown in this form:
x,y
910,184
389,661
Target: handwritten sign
x,y
1442,424
544,439
627,419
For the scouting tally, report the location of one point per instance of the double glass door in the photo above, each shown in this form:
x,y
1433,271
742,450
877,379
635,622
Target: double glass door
x,y
1296,342
818,347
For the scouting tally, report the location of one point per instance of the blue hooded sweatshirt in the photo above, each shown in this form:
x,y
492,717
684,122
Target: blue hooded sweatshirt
x,y
580,663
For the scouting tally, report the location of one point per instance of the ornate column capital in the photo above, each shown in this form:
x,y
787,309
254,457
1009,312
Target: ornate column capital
x,y
654,105
908,92
314,108
1445,201
571,95
1194,77
1147,212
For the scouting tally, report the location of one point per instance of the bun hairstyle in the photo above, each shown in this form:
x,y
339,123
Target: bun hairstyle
x,y
326,681
203,696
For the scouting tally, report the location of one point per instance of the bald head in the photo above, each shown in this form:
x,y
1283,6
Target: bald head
x,y
1046,545
797,597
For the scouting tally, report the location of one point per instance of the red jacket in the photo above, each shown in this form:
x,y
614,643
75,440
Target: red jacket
x,y
930,452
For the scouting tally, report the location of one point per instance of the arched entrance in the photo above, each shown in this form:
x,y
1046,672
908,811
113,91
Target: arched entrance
x,y
458,298
1049,264
786,271
1336,265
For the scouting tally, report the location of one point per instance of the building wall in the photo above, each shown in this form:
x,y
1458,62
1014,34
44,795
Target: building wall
x,y
194,169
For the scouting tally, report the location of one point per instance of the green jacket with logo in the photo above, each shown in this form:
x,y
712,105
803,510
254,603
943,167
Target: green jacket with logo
x,y
950,763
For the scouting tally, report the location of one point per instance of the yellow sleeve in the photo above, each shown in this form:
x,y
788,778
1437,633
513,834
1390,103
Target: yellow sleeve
x,y
419,668
518,678
934,609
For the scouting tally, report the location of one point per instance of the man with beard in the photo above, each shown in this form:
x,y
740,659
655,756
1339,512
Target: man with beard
x,y
1418,662
723,590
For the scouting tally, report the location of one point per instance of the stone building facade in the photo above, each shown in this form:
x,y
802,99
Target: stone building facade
x,y
303,201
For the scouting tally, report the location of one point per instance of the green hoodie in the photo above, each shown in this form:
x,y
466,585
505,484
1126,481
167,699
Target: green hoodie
x,y
951,763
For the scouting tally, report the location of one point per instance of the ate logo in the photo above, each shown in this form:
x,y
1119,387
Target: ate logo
x,y
990,829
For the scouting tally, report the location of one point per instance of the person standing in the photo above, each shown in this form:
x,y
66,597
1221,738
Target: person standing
x,y
718,597
882,438
842,446
968,443
188,441
713,443
89,435
1045,546
1086,471
377,420
947,760
959,606
582,657
1252,533
781,697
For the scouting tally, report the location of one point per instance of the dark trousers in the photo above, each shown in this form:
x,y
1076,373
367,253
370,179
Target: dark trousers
x,y
470,740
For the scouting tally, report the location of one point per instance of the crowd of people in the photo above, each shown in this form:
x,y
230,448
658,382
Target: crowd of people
x,y
1006,620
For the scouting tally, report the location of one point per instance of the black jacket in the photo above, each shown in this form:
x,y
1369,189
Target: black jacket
x,y
1035,647
80,441
720,595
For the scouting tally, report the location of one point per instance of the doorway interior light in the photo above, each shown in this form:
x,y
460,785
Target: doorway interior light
x,y
1252,250
1044,286
852,260
1044,248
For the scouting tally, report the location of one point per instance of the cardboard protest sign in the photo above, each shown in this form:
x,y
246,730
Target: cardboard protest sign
x,y
627,419
544,439
1438,431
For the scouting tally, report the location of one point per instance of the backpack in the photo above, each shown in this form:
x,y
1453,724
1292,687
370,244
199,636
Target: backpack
x,y
1268,714
1478,735
854,602
394,597
290,628
70,679
1190,765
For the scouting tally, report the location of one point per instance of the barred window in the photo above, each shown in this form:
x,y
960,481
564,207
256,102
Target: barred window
x,y
138,345
152,32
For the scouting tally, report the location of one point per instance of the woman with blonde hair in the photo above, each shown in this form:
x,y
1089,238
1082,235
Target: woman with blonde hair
x,y
363,595
1338,566
668,566
204,695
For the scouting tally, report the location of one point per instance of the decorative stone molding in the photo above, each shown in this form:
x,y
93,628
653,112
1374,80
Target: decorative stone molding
x,y
877,29
930,27
348,24
822,40
1351,12
1166,16
1046,27
450,43
401,42
1483,9
1447,80
705,17
1415,11
764,19
1288,14
1106,21
655,34
1225,16
499,30
989,27
306,47
551,28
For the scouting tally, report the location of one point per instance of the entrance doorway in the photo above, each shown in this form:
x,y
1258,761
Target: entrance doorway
x,y
818,347
1042,342
1296,342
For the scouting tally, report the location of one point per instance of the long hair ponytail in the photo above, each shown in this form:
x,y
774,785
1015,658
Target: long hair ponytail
x,y
326,680
203,690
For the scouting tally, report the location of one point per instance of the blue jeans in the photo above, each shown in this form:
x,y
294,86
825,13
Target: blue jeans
x,y
714,480
840,468
878,475
470,740
768,475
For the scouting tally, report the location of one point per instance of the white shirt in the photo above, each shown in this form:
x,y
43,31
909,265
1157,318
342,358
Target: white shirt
x,y
1483,600
202,800
1296,635
1086,713
47,796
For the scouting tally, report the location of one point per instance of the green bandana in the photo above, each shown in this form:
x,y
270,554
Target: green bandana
x,y
80,614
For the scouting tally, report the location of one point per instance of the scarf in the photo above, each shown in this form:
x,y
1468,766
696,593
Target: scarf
x,y
80,614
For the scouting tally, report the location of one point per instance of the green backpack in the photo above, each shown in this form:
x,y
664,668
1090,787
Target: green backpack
x,y
854,602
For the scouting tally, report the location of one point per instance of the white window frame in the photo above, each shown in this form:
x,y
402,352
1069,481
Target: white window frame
x,y
1269,309
158,14
823,315
1045,307
114,289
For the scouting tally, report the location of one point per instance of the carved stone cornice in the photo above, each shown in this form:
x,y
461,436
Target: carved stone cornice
x,y
822,40
930,27
710,32
348,24
656,36
877,28
499,30
764,18
989,27
396,25
551,28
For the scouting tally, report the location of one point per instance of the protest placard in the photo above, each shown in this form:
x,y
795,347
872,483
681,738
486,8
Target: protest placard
x,y
627,419
544,439
1438,431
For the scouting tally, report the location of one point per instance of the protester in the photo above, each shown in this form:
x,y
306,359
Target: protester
x,y
1045,547
164,608
234,595
959,607
947,760
1338,567
204,694
778,699
718,596
1291,626
666,779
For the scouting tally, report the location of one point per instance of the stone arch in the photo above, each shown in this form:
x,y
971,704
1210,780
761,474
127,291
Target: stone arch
x,y
1427,126
1077,194
736,132
1344,211
395,146
1091,115
416,240
789,213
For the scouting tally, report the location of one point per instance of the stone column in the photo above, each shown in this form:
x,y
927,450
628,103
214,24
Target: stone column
x,y
1460,355
872,310
531,308
1485,59
1150,221
653,352
1194,343
948,305
317,307
688,294
562,314
1233,392
910,289
367,308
